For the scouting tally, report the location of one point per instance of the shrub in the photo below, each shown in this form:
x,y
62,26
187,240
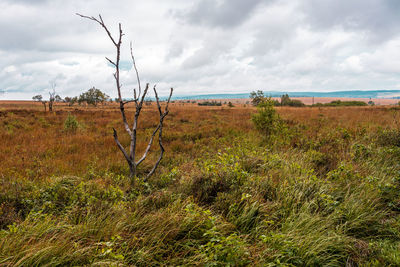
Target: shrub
x,y
267,120
71,124
389,138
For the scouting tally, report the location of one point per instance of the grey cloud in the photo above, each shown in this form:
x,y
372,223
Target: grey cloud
x,y
228,13
40,36
175,50
379,18
275,30
27,2
214,46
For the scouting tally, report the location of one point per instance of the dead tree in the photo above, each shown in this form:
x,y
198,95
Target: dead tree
x,y
52,96
138,99
44,104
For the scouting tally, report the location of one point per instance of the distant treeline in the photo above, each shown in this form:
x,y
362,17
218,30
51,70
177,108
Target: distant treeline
x,y
339,103
210,103
258,98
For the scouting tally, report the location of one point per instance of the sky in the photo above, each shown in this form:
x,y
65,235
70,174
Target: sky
x,y
200,46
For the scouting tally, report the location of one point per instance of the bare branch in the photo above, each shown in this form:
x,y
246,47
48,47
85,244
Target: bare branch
x,y
148,146
127,102
143,96
124,120
101,22
137,73
120,146
160,127
157,100
111,62
169,99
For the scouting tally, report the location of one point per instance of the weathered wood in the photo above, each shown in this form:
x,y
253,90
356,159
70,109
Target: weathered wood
x,y
138,100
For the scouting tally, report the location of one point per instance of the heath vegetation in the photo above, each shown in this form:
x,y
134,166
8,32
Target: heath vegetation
x,y
240,186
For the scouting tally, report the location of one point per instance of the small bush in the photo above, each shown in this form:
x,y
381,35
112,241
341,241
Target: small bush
x,y
268,121
71,124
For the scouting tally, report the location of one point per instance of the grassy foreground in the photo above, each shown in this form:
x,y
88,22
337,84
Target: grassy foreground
x,y
324,192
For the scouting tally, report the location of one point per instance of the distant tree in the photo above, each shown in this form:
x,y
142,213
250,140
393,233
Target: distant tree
x,y
296,103
81,99
371,103
285,100
37,98
230,104
71,100
58,98
257,97
93,96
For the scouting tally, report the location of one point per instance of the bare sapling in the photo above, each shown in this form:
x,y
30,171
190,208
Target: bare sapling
x,y
138,99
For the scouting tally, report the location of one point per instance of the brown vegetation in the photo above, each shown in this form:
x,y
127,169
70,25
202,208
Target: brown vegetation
x,y
34,143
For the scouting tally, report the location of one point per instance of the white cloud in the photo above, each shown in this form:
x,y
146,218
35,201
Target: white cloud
x,y
201,46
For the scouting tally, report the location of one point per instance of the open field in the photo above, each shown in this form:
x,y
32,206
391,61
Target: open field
x,y
238,101
325,191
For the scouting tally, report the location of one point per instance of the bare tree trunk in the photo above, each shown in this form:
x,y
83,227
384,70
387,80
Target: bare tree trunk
x,y
44,104
138,101
52,96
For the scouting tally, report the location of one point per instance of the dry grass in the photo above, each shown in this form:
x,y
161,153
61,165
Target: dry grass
x,y
34,143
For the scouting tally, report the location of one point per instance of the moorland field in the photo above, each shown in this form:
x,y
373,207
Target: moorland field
x,y
322,189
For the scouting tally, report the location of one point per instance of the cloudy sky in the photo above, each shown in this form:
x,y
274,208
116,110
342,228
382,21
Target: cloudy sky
x,y
201,46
